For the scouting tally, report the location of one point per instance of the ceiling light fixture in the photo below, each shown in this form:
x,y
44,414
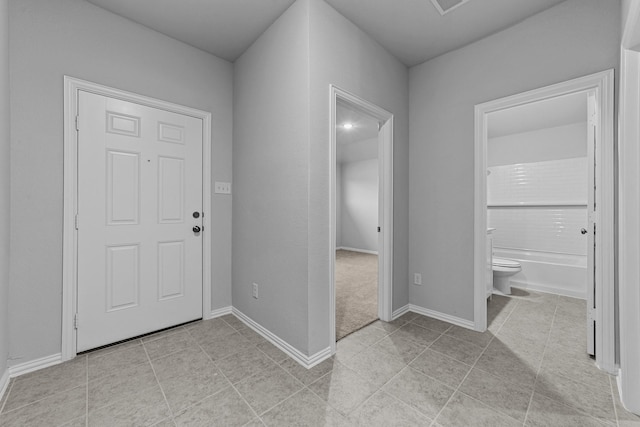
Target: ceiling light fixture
x,y
347,126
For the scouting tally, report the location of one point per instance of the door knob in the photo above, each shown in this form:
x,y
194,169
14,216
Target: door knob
x,y
583,231
197,229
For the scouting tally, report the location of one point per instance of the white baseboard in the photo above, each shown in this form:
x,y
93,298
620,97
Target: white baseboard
x,y
549,289
295,354
34,365
219,312
399,312
364,251
4,384
442,316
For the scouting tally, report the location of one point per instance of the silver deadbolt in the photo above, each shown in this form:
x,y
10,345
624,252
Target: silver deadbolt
x,y
583,231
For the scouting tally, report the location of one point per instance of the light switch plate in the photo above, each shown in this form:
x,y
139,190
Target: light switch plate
x,y
222,187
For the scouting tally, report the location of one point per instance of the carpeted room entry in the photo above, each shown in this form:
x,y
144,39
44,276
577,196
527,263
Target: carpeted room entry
x,y
356,291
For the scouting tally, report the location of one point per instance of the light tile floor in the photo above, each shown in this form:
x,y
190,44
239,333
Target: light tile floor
x,y
528,369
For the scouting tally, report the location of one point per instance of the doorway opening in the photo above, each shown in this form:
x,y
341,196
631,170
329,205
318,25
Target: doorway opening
x,y
544,184
361,213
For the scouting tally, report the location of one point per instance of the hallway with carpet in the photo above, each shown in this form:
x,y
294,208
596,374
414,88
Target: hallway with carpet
x,y
356,291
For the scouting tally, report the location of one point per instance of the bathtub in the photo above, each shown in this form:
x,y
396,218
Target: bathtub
x,y
560,274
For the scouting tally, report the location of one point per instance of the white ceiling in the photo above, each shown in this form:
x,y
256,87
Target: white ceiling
x,y
364,126
559,111
224,28
358,143
412,30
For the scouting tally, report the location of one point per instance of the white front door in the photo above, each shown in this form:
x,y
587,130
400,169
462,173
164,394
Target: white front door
x,y
139,206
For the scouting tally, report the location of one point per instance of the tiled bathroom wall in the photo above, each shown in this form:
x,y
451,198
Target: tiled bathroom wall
x,y
539,206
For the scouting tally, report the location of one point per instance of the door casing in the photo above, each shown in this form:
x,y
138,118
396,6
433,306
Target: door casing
x,y
602,85
385,201
70,196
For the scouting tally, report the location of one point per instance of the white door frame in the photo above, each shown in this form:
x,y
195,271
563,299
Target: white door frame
x,y
602,85
385,176
70,193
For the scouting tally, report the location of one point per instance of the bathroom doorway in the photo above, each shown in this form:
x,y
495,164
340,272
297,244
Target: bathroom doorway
x,y
544,182
361,225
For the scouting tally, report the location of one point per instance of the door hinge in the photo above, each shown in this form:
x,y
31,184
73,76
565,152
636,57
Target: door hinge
x,y
76,221
77,123
591,314
75,321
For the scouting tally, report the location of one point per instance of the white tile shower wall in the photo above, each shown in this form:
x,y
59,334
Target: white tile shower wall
x,y
555,181
552,228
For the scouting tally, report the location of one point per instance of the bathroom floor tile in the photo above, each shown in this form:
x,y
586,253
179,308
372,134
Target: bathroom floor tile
x,y
509,398
441,367
460,350
384,410
268,388
56,409
227,408
416,333
463,410
304,409
419,391
545,412
404,372
375,367
343,389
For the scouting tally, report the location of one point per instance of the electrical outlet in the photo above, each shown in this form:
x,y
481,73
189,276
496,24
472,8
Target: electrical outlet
x,y
222,187
255,290
417,279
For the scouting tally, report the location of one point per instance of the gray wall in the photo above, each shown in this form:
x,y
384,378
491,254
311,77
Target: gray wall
x,y
270,174
281,164
56,37
575,38
358,205
343,55
4,185
559,142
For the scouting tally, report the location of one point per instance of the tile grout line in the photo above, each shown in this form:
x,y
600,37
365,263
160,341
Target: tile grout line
x,y
166,401
227,378
614,400
544,351
399,372
86,409
566,377
433,423
42,398
7,394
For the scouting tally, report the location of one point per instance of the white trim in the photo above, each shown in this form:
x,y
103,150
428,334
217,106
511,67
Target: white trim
x,y
364,251
629,230
69,250
601,84
35,365
385,176
468,324
538,287
630,27
4,384
304,360
399,312
220,312
548,289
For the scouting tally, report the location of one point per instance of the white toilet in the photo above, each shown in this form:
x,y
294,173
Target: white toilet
x,y
503,269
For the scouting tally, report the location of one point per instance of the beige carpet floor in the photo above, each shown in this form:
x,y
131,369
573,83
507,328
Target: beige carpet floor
x,y
356,291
